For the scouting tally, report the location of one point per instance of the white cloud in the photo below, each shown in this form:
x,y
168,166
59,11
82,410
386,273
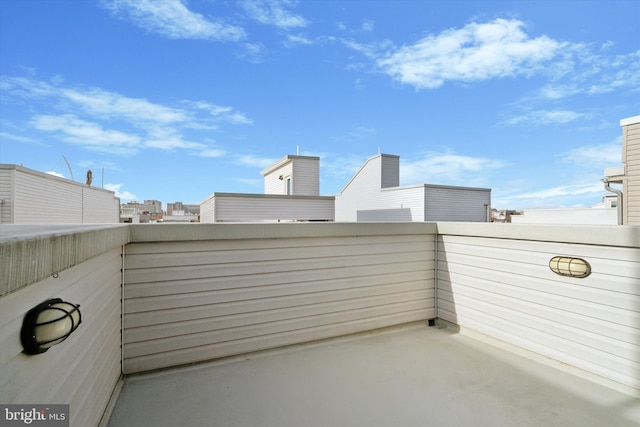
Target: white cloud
x,y
212,153
478,51
546,117
88,114
220,113
358,133
563,191
586,188
123,195
18,138
368,25
581,70
449,168
113,105
273,12
299,39
595,156
90,135
252,52
255,161
172,19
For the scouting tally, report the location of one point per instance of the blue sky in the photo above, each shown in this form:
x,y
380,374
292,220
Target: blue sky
x,y
175,100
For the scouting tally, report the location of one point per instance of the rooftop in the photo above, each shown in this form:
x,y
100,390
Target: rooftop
x,y
407,376
448,324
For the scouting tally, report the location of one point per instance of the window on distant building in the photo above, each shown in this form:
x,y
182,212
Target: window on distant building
x,y
288,186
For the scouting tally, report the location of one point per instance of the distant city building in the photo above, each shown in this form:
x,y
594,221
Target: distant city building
x,y
503,215
179,208
155,206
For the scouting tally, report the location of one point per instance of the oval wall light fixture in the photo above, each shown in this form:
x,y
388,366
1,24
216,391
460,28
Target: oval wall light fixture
x,y
47,324
569,266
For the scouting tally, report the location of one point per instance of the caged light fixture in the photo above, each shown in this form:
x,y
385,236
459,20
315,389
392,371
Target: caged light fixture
x,y
47,324
569,266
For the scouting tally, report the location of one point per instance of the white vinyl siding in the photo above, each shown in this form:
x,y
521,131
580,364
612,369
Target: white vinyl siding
x,y
390,173
225,297
34,197
631,134
396,205
305,177
83,370
303,173
233,207
456,204
197,292
46,200
361,192
373,195
6,193
505,289
272,182
99,207
208,209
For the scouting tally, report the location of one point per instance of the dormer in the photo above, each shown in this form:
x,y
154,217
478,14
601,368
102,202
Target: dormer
x,y
294,176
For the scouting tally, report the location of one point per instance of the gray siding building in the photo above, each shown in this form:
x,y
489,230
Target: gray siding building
x,y
373,194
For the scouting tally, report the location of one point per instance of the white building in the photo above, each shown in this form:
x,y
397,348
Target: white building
x,y
627,175
621,203
292,188
29,197
293,176
373,194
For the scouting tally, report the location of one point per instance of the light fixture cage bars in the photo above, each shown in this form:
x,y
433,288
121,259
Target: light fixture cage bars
x,y
58,317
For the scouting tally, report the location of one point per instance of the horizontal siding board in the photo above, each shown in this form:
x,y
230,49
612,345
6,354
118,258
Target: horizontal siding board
x,y
523,247
609,351
620,287
254,313
229,348
611,335
91,354
274,254
266,285
540,292
456,204
380,263
240,291
505,289
207,337
244,243
605,271
542,343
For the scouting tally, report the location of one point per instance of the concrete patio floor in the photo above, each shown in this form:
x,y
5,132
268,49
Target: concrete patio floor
x,y
409,376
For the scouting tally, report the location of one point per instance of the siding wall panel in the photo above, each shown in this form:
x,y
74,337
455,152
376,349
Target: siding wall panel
x,y
231,297
91,354
631,145
306,177
456,204
505,289
7,177
226,207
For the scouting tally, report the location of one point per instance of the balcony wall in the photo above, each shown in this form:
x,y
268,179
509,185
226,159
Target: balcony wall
x,y
81,265
496,281
198,292
232,289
